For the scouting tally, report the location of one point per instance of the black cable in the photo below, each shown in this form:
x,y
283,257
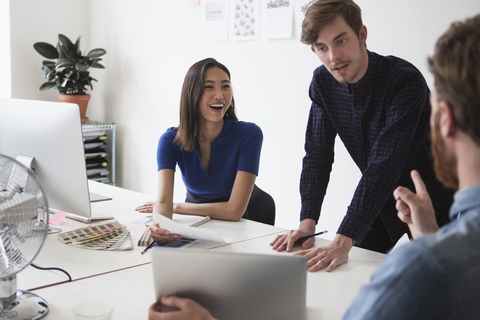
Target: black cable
x,y
52,268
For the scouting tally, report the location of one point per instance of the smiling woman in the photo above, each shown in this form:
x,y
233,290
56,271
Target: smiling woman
x,y
217,154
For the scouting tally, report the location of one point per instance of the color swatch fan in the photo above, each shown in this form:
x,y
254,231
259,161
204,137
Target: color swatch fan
x,y
23,228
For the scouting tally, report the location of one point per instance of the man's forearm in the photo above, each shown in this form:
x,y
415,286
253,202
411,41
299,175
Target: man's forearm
x,y
343,241
308,224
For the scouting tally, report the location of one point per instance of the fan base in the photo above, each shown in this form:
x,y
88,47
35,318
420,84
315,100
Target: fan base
x,y
27,305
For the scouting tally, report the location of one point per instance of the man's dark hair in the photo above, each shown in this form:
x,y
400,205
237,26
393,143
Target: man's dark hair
x,y
456,68
320,13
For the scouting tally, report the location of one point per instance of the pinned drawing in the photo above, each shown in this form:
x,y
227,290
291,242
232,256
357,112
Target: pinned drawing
x,y
279,19
246,19
300,7
215,20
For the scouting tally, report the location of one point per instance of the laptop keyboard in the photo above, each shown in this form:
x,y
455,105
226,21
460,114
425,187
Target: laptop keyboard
x,y
97,216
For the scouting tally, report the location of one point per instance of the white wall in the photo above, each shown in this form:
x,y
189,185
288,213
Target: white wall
x,y
150,45
5,75
40,21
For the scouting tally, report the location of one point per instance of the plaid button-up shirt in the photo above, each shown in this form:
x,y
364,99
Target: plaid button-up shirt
x,y
384,122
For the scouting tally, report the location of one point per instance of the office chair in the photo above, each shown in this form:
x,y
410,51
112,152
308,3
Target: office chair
x,y
261,207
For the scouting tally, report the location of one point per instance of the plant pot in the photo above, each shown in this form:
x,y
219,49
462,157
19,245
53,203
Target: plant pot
x,y
80,99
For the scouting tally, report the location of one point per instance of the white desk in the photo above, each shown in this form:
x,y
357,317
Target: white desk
x,y
81,263
124,278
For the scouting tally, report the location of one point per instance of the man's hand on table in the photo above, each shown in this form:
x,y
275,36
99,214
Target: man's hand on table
x,y
286,241
329,256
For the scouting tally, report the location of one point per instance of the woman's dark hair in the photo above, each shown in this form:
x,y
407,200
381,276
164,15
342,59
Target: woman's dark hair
x,y
192,91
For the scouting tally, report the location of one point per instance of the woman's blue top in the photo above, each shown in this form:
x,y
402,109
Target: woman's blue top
x,y
237,148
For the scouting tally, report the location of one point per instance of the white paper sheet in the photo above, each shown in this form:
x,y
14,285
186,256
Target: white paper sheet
x,y
279,18
140,220
189,232
245,15
300,6
215,20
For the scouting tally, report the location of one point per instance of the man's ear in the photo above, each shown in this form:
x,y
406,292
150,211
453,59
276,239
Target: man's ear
x,y
313,49
363,34
448,123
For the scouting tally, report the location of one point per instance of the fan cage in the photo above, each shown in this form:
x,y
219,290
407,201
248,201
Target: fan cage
x,y
23,217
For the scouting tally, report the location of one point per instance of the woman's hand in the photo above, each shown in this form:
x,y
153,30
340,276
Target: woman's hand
x,y
146,208
162,236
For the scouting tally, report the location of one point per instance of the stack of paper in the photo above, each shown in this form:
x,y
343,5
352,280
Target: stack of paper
x,y
191,233
189,220
106,236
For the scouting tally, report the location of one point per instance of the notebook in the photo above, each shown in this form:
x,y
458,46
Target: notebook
x,y
234,285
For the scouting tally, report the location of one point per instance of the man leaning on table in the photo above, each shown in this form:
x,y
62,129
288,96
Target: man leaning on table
x,y
437,275
378,105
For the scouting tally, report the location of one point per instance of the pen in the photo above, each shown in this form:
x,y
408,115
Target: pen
x,y
312,235
148,247
307,237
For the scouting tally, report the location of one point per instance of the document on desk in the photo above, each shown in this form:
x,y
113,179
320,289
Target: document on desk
x,y
140,220
190,232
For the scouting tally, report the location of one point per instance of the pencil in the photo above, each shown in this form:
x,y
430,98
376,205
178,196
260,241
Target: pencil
x,y
148,247
312,235
307,237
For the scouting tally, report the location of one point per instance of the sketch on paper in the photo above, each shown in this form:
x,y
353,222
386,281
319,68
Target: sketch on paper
x,y
215,11
278,19
300,7
215,20
245,25
278,4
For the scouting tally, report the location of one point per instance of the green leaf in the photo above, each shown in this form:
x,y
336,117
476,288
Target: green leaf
x,y
81,66
76,56
64,83
83,75
46,86
50,75
46,50
77,45
95,53
97,65
59,50
63,51
66,42
63,63
48,63
48,68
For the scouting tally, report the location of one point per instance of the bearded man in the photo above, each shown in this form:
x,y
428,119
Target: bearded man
x,y
437,276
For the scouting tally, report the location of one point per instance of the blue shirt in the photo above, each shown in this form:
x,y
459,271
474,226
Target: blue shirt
x,y
434,277
384,123
237,148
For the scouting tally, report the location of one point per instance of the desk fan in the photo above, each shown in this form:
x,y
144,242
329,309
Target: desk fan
x,y
23,228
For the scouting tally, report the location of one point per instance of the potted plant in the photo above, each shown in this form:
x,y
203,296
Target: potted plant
x,y
69,73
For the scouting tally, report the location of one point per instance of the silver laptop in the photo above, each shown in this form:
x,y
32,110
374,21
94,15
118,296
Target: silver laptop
x,y
234,285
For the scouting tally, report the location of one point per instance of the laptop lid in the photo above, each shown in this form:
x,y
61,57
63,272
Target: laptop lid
x,y
234,285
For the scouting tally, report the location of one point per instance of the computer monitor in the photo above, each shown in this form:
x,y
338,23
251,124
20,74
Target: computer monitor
x,y
51,133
